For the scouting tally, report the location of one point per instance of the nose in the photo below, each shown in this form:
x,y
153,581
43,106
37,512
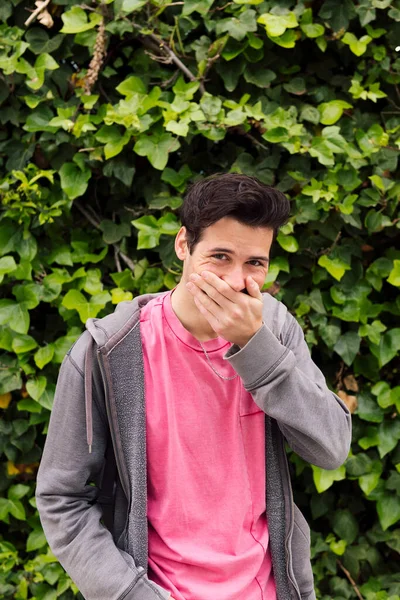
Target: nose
x,y
236,279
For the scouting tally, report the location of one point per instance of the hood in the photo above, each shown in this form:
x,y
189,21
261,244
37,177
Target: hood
x,y
103,332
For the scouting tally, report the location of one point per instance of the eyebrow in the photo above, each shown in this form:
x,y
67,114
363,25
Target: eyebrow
x,y
227,251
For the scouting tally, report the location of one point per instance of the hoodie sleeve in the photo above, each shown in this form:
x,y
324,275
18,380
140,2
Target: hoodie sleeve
x,y
66,499
288,386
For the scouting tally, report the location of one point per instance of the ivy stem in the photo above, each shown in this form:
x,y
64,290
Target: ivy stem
x,y
164,47
96,223
349,577
36,12
116,258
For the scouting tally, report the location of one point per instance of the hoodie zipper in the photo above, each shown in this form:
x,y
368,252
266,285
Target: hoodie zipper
x,y
285,467
112,419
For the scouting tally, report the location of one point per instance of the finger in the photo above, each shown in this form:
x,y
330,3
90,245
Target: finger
x,y
221,286
215,324
252,288
209,289
205,300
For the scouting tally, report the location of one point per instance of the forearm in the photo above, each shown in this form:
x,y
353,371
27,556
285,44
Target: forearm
x,y
288,386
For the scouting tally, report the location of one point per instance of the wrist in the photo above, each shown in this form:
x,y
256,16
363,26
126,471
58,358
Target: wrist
x,y
244,341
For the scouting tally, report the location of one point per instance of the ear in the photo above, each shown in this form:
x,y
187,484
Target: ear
x,y
181,246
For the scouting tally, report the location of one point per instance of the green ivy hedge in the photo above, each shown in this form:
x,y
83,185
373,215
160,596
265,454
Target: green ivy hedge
x,y
108,111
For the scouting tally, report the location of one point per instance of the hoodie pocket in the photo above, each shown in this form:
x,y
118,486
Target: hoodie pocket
x,y
301,559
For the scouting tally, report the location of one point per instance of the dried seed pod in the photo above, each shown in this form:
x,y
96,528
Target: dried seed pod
x,y
97,60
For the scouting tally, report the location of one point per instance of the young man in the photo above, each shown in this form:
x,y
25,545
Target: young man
x,y
197,388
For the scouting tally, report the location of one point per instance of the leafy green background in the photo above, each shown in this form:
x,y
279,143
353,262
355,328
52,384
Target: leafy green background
x,y
107,113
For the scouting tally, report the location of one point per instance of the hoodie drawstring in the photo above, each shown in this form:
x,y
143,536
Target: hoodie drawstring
x,y
88,393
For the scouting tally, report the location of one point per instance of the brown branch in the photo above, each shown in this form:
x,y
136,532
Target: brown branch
x,y
329,250
162,46
95,221
256,142
117,263
349,577
36,12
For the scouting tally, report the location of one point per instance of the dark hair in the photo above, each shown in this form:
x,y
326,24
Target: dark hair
x,y
241,197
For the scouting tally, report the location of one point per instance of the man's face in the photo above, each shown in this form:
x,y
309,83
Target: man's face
x,y
229,249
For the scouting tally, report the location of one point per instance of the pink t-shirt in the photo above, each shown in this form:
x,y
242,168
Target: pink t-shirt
x,y
208,534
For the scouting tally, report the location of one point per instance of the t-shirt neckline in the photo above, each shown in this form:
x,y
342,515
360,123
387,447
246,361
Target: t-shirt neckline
x,y
183,334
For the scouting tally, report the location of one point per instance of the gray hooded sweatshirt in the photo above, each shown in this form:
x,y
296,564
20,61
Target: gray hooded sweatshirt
x,y
100,404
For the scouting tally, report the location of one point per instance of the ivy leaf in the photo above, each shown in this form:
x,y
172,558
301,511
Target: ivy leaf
x,y
323,479
92,282
75,300
287,242
16,509
36,387
332,111
10,238
10,376
113,140
44,62
388,347
276,25
36,539
113,233
23,343
366,12
74,181
156,148
129,6
200,6
39,119
15,315
335,266
16,492
394,275
369,410
149,232
358,47
27,294
337,13
312,30
168,224
76,20
60,255
44,355
262,78
369,481
389,436
132,85
124,280
348,346
388,507
238,27
345,525
40,42
7,265
118,295
47,398
286,40
152,281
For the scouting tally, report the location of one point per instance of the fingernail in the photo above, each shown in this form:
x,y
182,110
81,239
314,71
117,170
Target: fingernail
x,y
194,277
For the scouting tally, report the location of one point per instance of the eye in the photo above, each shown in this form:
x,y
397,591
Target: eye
x,y
220,256
256,263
